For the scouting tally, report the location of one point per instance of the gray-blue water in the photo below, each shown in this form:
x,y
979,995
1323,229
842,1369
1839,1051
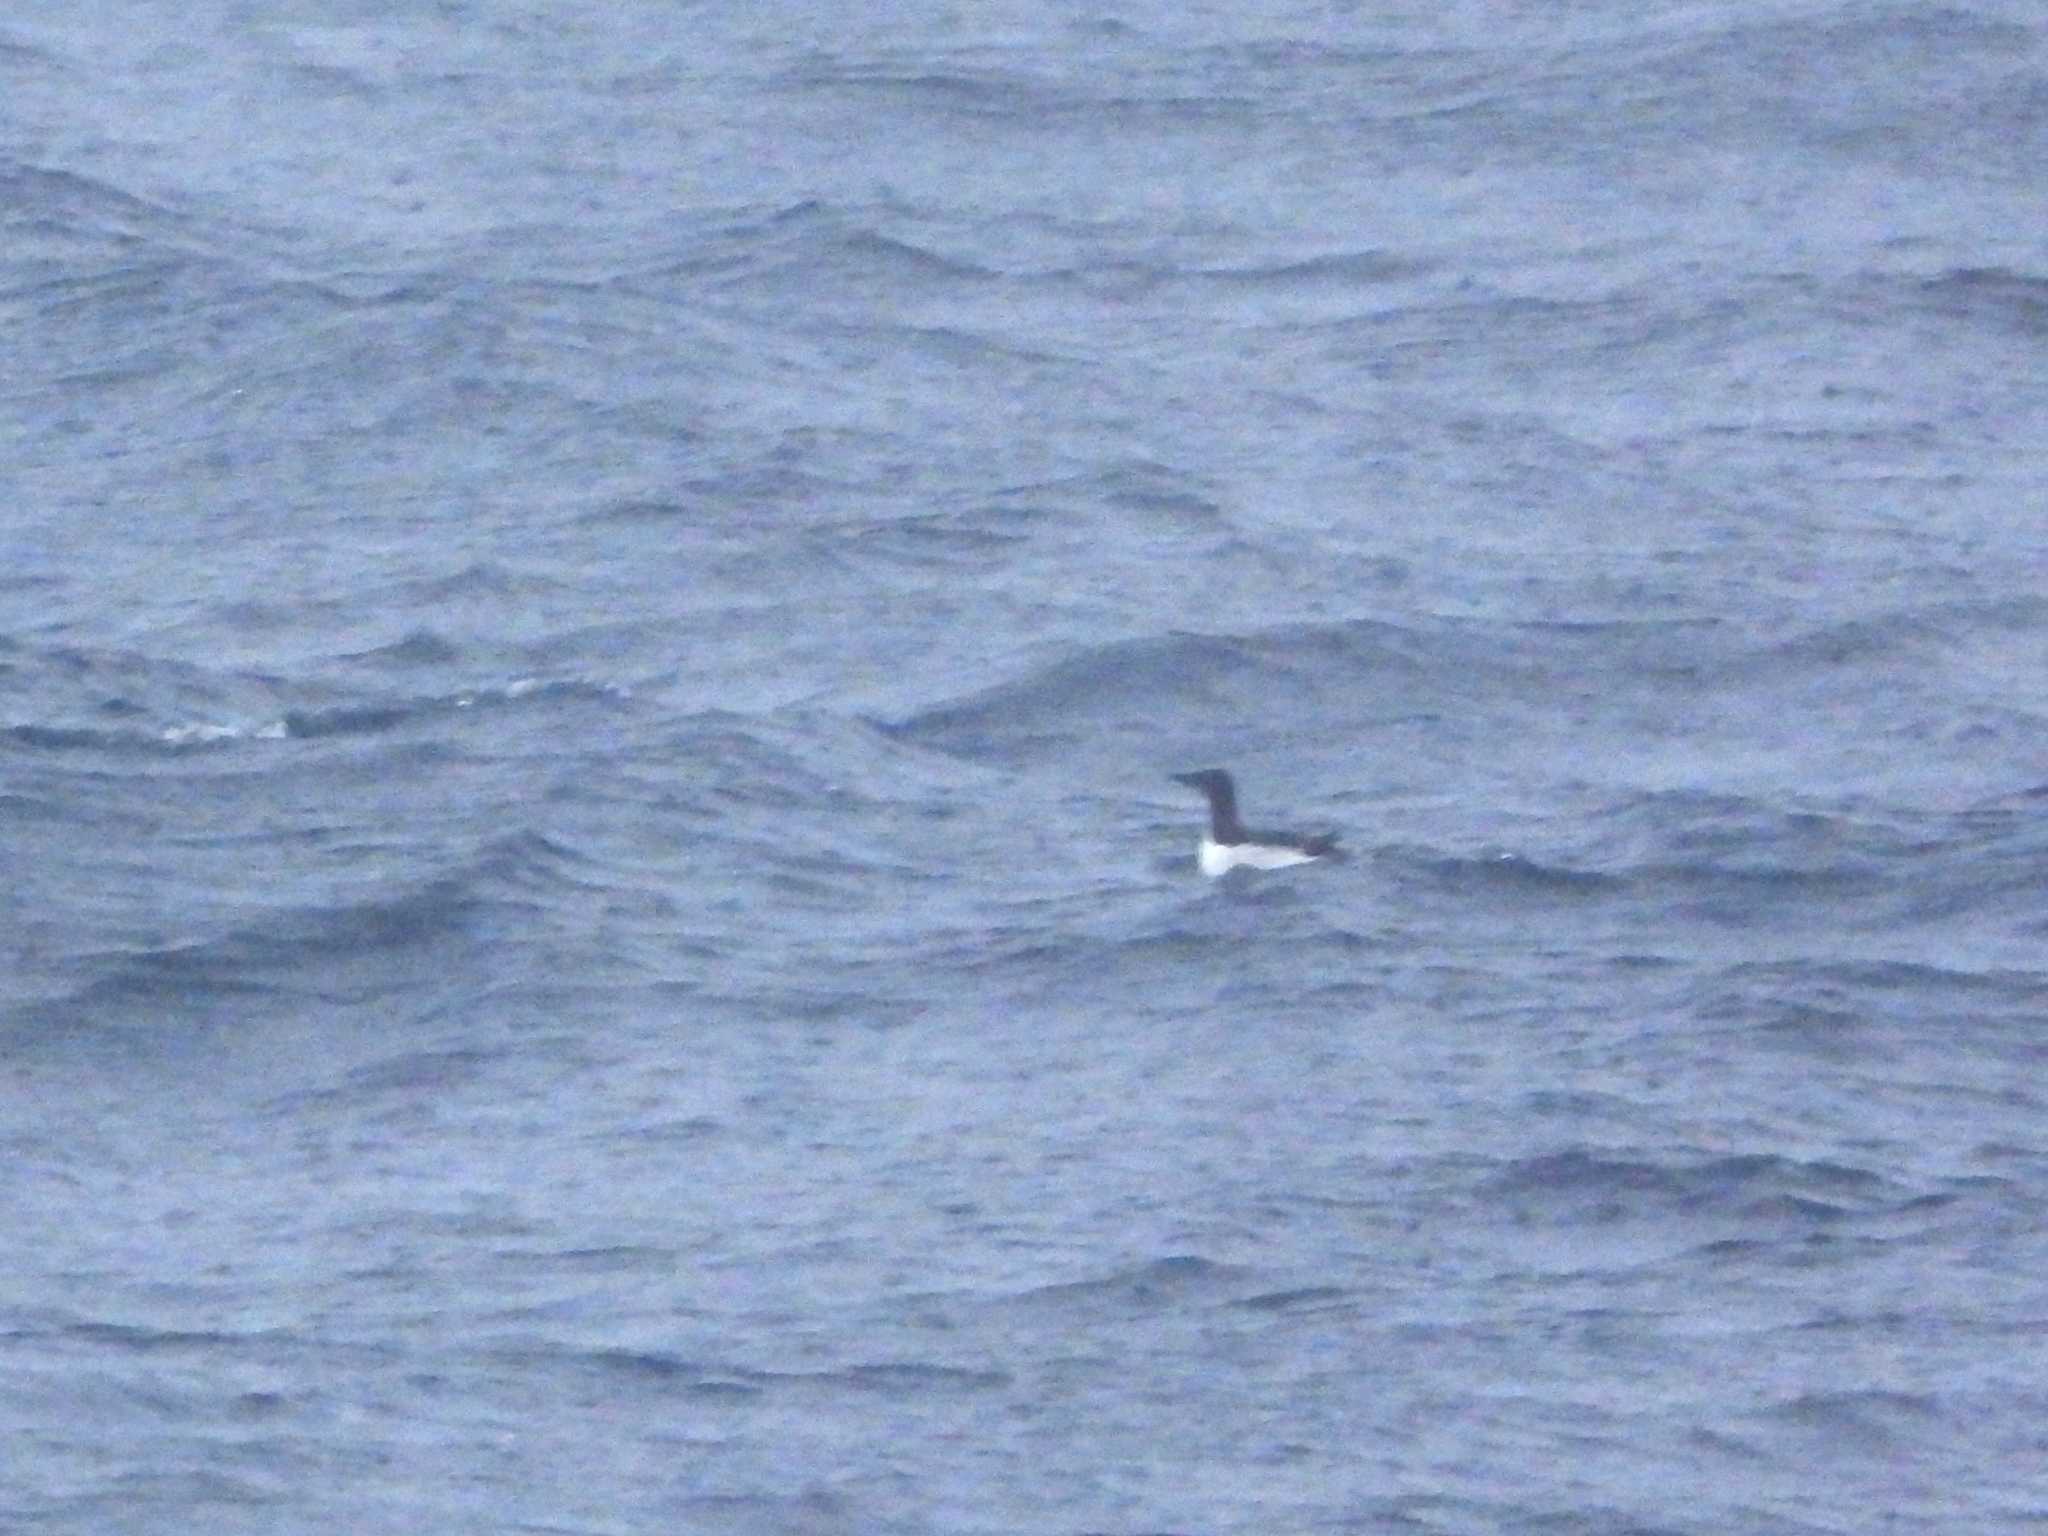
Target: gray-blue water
x,y
596,603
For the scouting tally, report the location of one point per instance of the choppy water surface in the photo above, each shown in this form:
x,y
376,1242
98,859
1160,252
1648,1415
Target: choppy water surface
x,y
596,608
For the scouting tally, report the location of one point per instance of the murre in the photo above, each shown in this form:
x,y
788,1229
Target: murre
x,y
1228,845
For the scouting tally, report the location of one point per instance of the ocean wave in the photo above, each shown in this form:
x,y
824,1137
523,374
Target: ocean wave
x,y
962,85
418,648
1168,1282
1125,685
1870,1416
1504,873
1581,1184
129,704
347,953
1999,297
1793,977
669,1371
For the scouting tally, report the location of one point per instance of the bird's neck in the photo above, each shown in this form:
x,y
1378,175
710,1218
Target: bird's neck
x,y
1224,826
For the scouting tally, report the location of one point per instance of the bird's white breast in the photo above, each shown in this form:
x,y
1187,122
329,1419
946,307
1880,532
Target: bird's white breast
x,y
1220,858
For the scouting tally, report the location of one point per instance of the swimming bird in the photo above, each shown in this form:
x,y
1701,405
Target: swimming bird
x,y
1228,845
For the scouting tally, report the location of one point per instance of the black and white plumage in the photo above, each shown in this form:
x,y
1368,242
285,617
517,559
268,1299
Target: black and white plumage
x,y
1229,844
